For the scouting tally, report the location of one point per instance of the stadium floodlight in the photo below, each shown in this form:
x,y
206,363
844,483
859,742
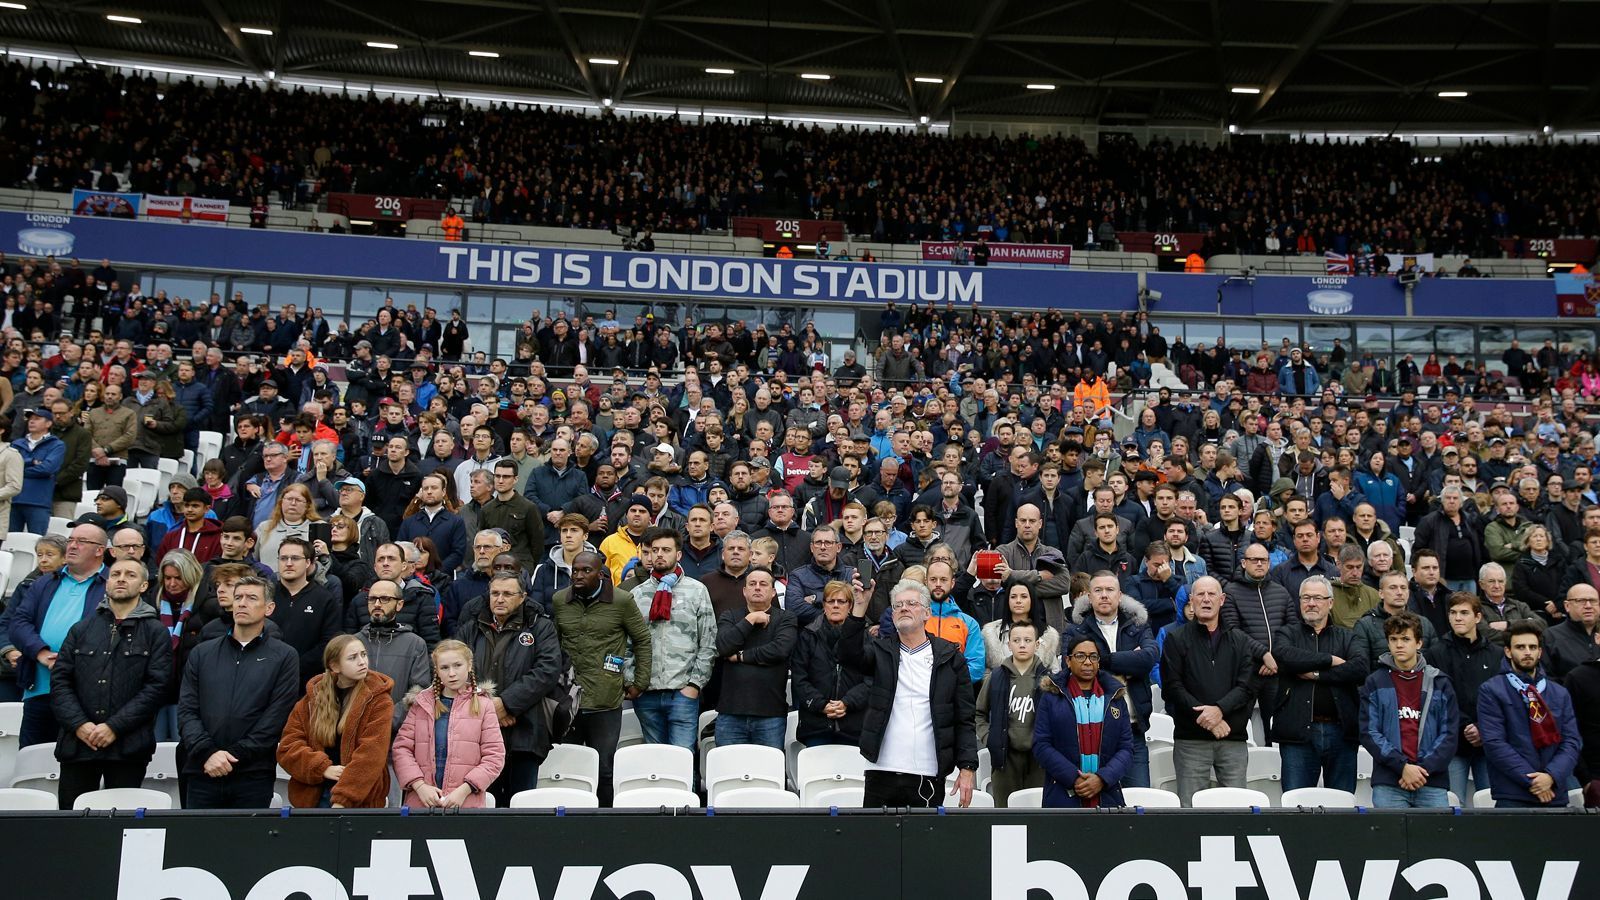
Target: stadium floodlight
x,y
483,54
8,5
1245,90
718,70
928,79
815,76
604,61
1452,95
382,45
126,20
264,32
1041,86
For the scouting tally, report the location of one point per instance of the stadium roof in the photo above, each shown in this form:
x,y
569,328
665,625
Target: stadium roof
x,y
1258,64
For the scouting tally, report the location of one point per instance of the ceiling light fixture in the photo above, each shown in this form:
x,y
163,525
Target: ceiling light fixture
x,y
1452,95
717,70
264,32
483,54
382,45
928,79
604,61
815,76
1041,87
8,5
126,20
1246,90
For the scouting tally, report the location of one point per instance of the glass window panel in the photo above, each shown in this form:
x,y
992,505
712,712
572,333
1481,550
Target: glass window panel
x,y
1374,338
1202,333
254,291
285,292
1274,333
1413,339
1579,339
330,299
1321,336
1455,339
443,302
1171,329
481,337
1534,336
403,298
1243,335
837,327
365,302
1494,340
507,308
196,288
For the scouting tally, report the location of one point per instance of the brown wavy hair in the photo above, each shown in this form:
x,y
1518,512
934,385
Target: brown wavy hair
x,y
328,717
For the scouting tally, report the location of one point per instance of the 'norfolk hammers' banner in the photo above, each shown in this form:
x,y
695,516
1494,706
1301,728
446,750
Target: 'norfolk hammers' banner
x,y
969,855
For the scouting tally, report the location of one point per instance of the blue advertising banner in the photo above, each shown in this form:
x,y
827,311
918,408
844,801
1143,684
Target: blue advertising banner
x,y
106,203
559,269
1462,298
1278,295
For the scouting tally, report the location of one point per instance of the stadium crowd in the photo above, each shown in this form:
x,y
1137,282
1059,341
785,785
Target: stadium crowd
x,y
89,128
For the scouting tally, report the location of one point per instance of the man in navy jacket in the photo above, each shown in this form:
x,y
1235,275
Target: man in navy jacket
x,y
1529,732
41,620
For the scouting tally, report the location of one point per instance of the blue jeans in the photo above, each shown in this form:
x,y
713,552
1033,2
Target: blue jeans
x,y
733,728
1460,768
1326,754
1388,796
167,723
38,722
668,717
32,519
1138,774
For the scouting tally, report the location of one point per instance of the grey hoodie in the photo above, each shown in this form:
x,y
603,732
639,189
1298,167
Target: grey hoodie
x,y
400,653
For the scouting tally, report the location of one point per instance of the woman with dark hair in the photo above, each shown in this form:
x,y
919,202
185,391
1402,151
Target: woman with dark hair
x,y
335,745
1021,608
1083,732
428,568
1383,490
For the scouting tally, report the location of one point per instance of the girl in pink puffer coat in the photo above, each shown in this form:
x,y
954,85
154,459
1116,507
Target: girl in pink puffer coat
x,y
461,712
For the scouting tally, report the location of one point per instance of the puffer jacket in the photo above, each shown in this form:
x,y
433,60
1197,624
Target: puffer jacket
x,y
523,657
962,530
1380,725
1259,608
1221,551
817,676
1469,665
476,753
1055,743
684,645
116,673
363,749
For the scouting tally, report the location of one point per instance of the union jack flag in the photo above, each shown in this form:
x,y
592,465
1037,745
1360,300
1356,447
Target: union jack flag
x,y
1339,263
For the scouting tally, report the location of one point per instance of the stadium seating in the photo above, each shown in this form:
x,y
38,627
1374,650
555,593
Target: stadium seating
x,y
742,766
828,767
1265,771
1027,798
1229,798
1482,799
653,797
842,797
37,768
123,798
554,798
756,798
1329,798
652,765
571,766
26,799
162,772
10,731
1151,798
1160,730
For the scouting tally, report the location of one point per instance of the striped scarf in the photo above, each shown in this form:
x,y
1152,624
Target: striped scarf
x,y
661,601
1542,726
1089,710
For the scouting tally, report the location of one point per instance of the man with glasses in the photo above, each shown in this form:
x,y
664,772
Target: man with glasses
x,y
1316,714
794,544
514,514
306,612
472,581
1119,626
919,724
393,647
1575,640
263,489
683,631
806,583
1207,683
41,620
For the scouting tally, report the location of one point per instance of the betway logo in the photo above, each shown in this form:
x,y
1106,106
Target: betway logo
x,y
1219,874
391,876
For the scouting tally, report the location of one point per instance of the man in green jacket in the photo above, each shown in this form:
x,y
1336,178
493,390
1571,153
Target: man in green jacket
x,y
69,481
1506,537
596,623
517,515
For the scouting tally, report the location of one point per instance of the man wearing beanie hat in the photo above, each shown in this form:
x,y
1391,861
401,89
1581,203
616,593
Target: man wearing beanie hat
x,y
169,514
160,423
622,547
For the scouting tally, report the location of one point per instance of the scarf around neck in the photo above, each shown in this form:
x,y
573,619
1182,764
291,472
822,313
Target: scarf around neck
x,y
1089,709
661,602
1542,725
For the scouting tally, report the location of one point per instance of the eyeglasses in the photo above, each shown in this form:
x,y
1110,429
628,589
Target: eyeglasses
x,y
87,542
1085,657
1255,559
905,604
1319,598
290,559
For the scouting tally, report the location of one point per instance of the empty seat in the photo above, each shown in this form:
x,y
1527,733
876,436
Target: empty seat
x,y
1363,777
1156,703
630,735
10,730
1151,798
654,797
37,768
652,765
18,799
20,540
757,798
571,766
742,766
1027,798
1482,799
210,447
123,798
827,767
980,800
1160,730
162,772
142,485
1329,798
555,798
23,562
842,797
59,526
1265,772
1162,770
167,467
1229,798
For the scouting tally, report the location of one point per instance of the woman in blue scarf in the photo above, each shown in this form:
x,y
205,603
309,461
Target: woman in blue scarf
x,y
1083,732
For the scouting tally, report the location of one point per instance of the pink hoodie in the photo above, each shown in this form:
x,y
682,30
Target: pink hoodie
x,y
476,753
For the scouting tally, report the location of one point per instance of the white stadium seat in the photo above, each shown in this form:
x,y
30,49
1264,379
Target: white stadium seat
x,y
554,798
123,798
1027,798
827,767
25,799
757,798
1151,798
742,766
37,768
10,731
653,797
1229,798
571,766
842,797
652,765
1329,798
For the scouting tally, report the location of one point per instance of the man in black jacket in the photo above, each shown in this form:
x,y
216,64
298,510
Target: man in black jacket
x,y
514,645
236,696
1470,657
1575,640
1258,606
754,644
109,680
1315,711
307,612
911,748
1206,681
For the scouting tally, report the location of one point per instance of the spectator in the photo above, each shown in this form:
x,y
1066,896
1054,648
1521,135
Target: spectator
x,y
262,490
44,616
516,515
910,748
335,745
43,455
112,430
1528,728
1428,591
1469,657
453,763
1083,765
1454,542
1408,721
1499,610
75,462
1259,605
372,530
1352,596
308,613
702,551
626,544
806,582
394,480
1574,639
553,485
1006,706
514,646
108,683
683,635
1315,710
1119,627
1207,684
1583,684
198,532
432,514
1020,608
236,696
1395,598
393,647
831,695
755,648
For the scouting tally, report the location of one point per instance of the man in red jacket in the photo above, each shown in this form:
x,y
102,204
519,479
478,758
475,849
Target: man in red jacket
x,y
199,532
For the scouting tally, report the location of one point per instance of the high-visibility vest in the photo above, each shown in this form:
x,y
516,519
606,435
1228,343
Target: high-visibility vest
x,y
452,227
784,252
1194,263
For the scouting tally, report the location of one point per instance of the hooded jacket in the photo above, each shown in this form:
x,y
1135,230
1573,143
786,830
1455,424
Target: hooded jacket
x,y
1055,743
112,672
205,544
1380,725
950,707
1007,704
476,753
1135,656
552,575
363,749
